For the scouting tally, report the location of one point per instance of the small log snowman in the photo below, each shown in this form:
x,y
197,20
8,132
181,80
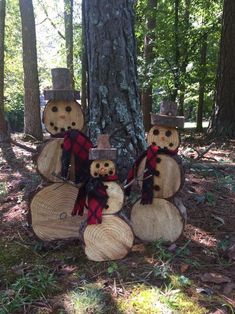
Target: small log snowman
x,y
62,158
156,216
106,236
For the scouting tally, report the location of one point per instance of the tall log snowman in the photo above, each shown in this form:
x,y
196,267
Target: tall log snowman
x,y
159,214
62,158
106,236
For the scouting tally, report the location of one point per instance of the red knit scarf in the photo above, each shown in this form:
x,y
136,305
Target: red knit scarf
x,y
150,171
95,190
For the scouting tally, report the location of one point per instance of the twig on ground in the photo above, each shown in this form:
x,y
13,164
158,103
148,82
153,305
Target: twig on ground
x,y
25,147
202,154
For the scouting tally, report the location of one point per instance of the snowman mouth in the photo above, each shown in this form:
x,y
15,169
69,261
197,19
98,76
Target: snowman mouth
x,y
62,129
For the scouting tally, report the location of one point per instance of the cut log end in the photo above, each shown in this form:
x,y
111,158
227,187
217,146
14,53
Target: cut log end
x,y
159,220
110,240
50,211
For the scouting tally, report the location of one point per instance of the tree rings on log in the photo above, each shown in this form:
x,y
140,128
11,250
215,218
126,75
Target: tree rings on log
x,y
115,200
60,116
159,220
110,240
164,137
50,211
49,160
169,179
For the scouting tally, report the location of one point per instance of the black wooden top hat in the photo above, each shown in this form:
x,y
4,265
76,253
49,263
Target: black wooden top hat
x,y
168,115
61,86
104,150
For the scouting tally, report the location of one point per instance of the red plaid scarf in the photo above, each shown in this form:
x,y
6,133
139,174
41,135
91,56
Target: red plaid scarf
x,y
78,144
150,171
97,195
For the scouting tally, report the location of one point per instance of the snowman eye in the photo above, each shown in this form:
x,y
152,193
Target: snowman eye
x,y
68,109
168,133
97,165
54,109
106,164
51,124
155,132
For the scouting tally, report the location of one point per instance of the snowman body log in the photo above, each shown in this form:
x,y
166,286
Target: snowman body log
x,y
158,216
112,237
50,211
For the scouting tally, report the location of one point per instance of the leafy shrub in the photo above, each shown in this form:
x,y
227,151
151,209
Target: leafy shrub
x,y
15,112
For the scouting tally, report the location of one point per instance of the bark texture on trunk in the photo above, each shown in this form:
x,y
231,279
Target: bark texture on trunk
x,y
68,22
149,43
32,120
113,97
224,116
3,125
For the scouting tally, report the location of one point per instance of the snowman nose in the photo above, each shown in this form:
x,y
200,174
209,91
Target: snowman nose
x,y
62,116
102,170
163,138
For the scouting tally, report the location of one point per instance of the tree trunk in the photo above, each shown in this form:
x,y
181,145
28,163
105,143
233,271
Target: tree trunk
x,y
32,120
113,100
149,43
3,125
224,115
203,72
68,21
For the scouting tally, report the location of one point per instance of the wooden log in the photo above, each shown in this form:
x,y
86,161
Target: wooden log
x,y
168,108
67,95
50,211
49,161
170,176
164,120
115,200
159,220
103,150
110,240
164,137
61,78
59,116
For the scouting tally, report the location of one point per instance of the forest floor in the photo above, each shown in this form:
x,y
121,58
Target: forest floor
x,y
194,275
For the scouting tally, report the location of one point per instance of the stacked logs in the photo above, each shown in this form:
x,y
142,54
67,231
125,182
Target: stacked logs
x,y
51,207
159,214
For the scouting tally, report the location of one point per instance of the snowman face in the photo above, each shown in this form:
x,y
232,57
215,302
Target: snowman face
x,y
164,137
102,168
60,116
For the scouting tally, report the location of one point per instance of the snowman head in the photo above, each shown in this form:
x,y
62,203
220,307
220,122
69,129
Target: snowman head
x,y
164,137
60,116
102,168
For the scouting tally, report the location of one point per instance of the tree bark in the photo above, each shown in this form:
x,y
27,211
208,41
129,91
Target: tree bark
x,y
113,99
149,43
3,125
203,73
224,114
68,21
32,120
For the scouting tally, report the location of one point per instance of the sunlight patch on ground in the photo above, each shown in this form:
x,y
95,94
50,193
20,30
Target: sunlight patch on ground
x,y
201,236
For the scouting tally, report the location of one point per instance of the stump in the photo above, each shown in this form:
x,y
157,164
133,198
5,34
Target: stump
x,y
61,115
49,161
159,220
111,240
170,177
50,211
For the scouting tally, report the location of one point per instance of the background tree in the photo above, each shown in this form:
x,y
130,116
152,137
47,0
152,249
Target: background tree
x,y
3,124
113,99
32,120
223,123
68,21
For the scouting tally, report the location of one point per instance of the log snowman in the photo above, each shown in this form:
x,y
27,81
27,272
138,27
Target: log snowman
x,y
158,214
63,158
106,235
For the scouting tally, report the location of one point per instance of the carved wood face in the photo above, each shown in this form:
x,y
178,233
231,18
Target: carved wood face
x,y
102,168
164,137
60,116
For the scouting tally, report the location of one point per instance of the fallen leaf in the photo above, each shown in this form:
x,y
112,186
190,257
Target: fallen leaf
x,y
206,291
229,287
183,267
215,278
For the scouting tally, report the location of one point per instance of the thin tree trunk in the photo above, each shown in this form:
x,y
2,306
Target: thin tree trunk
x,y
224,115
32,120
113,98
203,73
68,21
84,68
3,125
149,43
